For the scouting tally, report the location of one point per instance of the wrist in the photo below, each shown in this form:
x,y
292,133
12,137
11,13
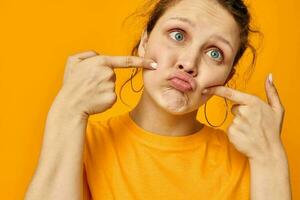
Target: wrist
x,y
64,108
274,158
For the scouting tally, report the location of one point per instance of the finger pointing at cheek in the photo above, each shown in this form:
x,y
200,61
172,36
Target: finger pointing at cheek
x,y
231,94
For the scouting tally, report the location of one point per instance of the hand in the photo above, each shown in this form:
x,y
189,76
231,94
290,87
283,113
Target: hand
x,y
89,80
256,127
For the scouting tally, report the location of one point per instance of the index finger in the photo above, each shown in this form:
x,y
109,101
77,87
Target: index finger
x,y
128,61
231,94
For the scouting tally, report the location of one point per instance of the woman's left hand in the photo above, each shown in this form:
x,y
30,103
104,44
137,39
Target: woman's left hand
x,y
256,127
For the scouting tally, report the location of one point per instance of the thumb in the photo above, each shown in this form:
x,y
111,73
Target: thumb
x,y
272,94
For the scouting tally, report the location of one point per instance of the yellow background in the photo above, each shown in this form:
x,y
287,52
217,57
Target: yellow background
x,y
37,36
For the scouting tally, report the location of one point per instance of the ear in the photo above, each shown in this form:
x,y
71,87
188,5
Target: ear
x,y
143,44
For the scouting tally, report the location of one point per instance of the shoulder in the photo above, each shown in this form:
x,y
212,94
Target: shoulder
x,y
99,137
98,130
103,131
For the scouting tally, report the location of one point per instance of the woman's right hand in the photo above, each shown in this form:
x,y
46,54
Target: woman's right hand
x,y
89,80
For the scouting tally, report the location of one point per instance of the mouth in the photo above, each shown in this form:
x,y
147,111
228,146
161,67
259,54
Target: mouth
x,y
182,81
180,84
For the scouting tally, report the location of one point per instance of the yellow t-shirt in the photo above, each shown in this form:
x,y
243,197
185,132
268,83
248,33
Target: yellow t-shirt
x,y
123,161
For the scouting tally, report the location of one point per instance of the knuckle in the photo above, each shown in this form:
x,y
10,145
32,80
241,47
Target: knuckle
x,y
109,74
229,94
230,129
92,51
128,61
105,70
282,109
71,57
113,96
253,99
235,120
111,85
102,59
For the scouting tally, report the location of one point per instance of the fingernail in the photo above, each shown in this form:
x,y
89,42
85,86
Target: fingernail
x,y
154,65
205,91
270,78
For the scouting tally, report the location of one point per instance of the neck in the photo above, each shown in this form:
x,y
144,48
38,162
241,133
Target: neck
x,y
151,117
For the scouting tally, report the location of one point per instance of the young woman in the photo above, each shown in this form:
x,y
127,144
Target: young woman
x,y
188,52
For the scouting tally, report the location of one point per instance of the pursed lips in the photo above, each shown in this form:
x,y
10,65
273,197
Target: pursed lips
x,y
184,77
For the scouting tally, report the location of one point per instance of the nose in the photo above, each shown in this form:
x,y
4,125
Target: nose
x,y
187,69
188,63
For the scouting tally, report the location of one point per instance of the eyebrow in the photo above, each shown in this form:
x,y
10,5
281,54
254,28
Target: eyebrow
x,y
223,40
183,19
186,20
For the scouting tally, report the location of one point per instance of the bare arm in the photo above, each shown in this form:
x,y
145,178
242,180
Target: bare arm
x,y
256,132
88,88
59,171
270,177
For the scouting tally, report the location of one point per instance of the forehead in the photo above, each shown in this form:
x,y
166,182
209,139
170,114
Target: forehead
x,y
206,16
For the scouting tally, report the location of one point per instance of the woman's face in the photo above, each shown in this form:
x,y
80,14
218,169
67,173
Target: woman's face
x,y
198,38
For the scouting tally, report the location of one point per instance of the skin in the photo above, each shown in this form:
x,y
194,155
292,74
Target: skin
x,y
176,111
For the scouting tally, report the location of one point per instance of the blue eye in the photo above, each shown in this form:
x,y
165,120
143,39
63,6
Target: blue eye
x,y
178,35
216,54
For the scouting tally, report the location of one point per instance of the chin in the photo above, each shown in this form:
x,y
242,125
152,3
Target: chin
x,y
174,101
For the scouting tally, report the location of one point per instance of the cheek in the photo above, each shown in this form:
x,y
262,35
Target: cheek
x,y
208,79
212,80
164,55
165,58
213,76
